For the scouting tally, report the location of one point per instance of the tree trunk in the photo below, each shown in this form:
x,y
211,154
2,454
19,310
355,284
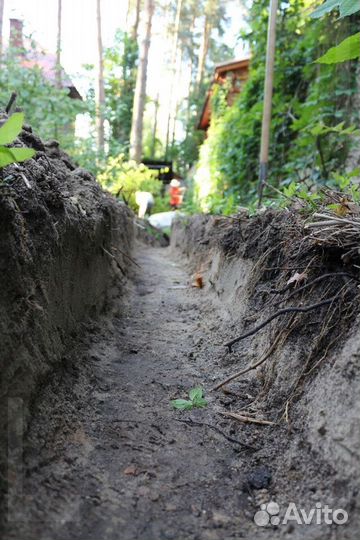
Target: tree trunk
x,y
175,111
1,25
153,144
135,28
58,45
140,89
203,51
100,105
174,64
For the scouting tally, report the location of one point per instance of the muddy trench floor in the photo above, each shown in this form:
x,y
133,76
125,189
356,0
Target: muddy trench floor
x,y
106,456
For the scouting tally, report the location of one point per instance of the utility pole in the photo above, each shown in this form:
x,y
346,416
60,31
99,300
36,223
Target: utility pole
x,y
1,25
58,45
100,84
268,94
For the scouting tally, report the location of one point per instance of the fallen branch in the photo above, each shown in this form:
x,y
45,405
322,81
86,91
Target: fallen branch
x,y
126,255
247,419
215,428
294,309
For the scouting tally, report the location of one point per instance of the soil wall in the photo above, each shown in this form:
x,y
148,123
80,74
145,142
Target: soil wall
x,y
63,252
310,382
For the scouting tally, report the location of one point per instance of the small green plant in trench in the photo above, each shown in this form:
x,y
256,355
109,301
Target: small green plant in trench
x,y
8,133
196,400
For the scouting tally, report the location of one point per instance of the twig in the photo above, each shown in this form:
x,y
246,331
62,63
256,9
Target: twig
x,y
115,259
26,181
11,102
293,309
215,428
126,255
247,419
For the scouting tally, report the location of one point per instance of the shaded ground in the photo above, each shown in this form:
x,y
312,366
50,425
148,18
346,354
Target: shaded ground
x,y
115,461
107,458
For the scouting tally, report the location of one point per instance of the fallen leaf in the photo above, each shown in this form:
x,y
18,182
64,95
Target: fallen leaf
x,y
131,470
199,282
297,278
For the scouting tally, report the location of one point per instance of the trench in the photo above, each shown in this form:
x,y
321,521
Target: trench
x,y
106,456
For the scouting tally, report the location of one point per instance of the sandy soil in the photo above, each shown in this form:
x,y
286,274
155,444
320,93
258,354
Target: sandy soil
x,y
108,458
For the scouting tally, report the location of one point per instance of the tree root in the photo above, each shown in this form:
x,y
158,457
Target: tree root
x,y
294,309
258,363
316,280
191,422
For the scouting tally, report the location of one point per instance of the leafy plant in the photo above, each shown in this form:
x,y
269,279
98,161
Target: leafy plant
x,y
196,400
124,178
8,133
349,48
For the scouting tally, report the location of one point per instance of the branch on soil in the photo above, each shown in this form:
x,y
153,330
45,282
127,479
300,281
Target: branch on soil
x,y
247,419
215,428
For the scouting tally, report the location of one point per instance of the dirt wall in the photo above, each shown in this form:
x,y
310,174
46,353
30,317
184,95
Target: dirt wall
x,y
310,381
63,251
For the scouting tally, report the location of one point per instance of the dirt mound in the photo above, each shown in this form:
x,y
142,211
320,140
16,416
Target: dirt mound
x,y
64,245
289,311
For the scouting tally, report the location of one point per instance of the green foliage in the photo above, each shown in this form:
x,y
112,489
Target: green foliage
x,y
120,69
48,109
309,101
349,49
346,7
123,178
196,400
8,133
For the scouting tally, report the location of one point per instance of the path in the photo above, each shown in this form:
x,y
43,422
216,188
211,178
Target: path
x,y
116,462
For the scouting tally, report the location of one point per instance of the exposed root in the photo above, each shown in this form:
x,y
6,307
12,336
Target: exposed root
x,y
279,337
294,309
313,282
247,419
336,231
191,422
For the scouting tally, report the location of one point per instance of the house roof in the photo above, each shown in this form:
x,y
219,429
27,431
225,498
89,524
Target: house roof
x,y
239,66
47,63
35,56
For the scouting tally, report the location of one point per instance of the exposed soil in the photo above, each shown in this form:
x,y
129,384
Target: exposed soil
x,y
108,458
97,340
115,460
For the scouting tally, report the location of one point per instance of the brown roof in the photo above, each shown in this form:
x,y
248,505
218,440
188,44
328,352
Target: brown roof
x,y
240,68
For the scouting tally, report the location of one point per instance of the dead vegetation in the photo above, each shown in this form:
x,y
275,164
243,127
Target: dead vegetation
x,y
306,279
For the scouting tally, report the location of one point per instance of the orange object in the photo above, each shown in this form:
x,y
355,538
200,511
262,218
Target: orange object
x,y
175,196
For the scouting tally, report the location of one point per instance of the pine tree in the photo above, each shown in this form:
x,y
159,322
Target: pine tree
x,y
140,90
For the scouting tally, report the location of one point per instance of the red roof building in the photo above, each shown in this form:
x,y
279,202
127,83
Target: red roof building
x,y
47,62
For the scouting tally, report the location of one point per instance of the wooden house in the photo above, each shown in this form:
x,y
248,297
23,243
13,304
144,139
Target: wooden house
x,y
237,71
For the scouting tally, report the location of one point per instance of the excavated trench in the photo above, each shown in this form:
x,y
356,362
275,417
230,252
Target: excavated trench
x,y
100,332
